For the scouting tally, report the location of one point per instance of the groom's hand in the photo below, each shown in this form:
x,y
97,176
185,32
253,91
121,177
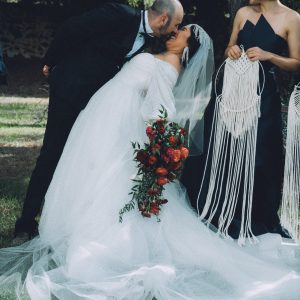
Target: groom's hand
x,y
46,70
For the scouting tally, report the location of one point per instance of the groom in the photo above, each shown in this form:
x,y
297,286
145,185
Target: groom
x,y
86,53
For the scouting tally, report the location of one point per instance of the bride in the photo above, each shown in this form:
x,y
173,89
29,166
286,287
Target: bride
x,y
83,252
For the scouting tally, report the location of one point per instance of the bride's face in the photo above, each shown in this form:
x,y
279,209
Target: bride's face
x,y
180,40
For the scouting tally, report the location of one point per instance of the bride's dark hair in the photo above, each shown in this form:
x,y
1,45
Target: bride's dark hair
x,y
193,43
158,45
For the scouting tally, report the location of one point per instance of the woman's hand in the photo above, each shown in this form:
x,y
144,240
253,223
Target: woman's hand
x,y
256,53
234,52
46,70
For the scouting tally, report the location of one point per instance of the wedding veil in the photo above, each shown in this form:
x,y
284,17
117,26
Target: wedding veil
x,y
193,90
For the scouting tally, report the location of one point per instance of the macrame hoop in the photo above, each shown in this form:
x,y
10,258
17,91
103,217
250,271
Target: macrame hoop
x,y
291,186
233,137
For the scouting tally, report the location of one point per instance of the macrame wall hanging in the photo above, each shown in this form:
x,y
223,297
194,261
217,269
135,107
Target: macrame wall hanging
x,y
291,187
232,147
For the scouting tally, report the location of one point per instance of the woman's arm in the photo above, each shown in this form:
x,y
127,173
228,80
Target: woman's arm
x,y
291,63
233,51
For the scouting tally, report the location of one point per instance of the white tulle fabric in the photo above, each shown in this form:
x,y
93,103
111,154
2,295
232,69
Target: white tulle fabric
x,y
83,252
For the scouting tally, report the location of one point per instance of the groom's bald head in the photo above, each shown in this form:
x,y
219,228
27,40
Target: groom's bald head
x,y
165,16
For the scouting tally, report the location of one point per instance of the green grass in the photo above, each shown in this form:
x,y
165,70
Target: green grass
x,y
21,135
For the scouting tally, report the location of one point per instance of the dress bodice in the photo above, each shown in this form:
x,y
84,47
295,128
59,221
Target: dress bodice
x,y
139,71
261,35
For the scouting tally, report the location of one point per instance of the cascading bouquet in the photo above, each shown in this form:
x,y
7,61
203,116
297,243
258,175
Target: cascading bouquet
x,y
159,162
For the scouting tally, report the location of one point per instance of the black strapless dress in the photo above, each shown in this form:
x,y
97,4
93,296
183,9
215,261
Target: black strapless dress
x,y
269,161
269,149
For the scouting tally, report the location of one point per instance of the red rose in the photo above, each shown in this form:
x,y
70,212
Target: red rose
x,y
149,130
161,171
162,181
172,139
184,152
154,208
152,160
176,156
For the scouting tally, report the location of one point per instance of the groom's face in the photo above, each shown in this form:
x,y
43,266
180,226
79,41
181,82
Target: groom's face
x,y
169,25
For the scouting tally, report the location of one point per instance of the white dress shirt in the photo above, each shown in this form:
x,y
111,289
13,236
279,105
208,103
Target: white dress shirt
x,y
140,40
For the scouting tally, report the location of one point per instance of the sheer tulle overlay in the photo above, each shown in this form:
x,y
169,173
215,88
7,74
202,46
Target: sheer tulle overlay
x,y
83,252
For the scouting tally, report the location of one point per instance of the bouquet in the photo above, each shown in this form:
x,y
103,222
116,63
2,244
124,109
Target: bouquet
x,y
159,162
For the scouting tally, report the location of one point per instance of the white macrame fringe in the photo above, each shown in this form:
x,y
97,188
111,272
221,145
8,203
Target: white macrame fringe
x,y
233,136
291,187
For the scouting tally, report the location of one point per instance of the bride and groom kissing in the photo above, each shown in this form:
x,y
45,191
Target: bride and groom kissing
x,y
82,251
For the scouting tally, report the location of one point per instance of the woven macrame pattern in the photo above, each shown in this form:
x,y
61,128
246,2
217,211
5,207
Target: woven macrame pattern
x,y
233,147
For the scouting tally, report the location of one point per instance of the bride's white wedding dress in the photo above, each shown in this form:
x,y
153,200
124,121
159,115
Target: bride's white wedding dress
x,y
83,252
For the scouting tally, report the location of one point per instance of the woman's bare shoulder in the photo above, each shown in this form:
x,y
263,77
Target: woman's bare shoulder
x,y
245,11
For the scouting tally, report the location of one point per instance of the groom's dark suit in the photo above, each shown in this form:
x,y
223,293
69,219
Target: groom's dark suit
x,y
87,52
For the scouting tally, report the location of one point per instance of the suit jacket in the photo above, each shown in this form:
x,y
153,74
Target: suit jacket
x,y
89,50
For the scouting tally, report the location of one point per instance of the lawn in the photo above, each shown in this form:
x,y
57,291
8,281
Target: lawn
x,y
22,128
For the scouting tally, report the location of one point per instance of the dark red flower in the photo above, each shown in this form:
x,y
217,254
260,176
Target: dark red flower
x,y
183,131
149,130
161,130
165,158
142,156
146,214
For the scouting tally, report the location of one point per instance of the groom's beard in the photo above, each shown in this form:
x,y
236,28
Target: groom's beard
x,y
164,34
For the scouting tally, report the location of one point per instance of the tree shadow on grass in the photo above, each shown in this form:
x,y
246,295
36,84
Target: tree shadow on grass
x,y
16,164
17,161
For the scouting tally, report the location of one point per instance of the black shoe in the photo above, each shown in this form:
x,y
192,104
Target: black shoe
x,y
24,227
282,231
